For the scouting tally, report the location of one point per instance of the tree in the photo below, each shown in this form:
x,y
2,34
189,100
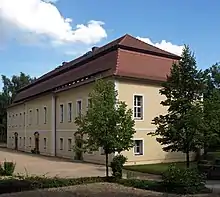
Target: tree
x,y
211,105
179,129
9,90
108,123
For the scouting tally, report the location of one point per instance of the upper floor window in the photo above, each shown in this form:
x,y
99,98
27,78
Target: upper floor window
x,y
61,112
89,104
37,116
20,122
24,118
69,112
30,117
138,107
45,115
78,107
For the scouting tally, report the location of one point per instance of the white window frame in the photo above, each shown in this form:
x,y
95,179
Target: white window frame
x,y
30,116
37,116
69,144
45,114
70,113
102,151
77,110
87,102
45,143
30,142
138,154
136,118
61,113
20,119
61,148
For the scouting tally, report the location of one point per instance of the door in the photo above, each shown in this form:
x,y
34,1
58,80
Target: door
x,y
16,141
36,136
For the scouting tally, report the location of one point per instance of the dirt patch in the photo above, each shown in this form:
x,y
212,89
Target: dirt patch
x,y
93,190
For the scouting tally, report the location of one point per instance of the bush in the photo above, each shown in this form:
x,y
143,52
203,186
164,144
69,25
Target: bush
x,y
7,169
117,165
184,181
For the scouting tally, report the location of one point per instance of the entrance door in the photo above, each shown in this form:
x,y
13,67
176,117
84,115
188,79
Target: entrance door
x,y
36,136
78,153
16,141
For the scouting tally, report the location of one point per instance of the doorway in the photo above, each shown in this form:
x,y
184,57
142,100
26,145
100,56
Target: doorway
x,y
36,137
16,141
79,145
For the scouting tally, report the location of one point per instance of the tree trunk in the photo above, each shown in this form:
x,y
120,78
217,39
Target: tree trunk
x,y
106,163
187,159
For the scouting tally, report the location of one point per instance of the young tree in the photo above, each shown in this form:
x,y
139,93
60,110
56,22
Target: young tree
x,y
179,129
107,124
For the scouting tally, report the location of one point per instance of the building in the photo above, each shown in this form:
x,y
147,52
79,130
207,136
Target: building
x,y
42,114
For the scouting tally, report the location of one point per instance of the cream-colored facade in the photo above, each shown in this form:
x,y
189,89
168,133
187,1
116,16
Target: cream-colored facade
x,y
47,122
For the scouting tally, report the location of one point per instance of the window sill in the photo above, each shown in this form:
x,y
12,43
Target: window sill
x,y
138,154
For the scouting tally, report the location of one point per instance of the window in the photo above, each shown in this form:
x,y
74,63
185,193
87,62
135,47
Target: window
x,y
89,104
102,151
37,116
20,119
61,143
45,143
24,118
45,115
69,144
30,117
138,107
138,147
30,142
78,107
69,112
20,141
61,113
24,142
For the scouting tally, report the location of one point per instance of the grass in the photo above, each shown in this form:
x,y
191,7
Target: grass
x,y
157,169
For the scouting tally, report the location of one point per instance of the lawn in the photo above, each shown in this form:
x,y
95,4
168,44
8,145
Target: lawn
x,y
157,169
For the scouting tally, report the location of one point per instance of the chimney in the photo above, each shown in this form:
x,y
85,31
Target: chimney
x,y
94,48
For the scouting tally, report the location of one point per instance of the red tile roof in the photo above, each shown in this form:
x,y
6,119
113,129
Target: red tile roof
x,y
125,56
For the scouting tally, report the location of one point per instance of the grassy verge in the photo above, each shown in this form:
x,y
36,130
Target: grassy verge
x,y
32,183
157,169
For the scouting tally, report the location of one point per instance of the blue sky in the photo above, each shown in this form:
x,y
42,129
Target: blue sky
x,y
36,36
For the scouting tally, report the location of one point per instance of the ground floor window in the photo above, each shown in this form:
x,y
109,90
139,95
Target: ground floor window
x,y
45,143
138,147
61,143
69,144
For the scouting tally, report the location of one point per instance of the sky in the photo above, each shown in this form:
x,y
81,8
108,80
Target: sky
x,y
38,35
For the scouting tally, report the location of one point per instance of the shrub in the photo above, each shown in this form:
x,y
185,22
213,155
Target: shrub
x,y
184,181
117,165
7,169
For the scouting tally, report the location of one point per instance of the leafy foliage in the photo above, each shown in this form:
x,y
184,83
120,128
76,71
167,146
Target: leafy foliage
x,y
179,129
185,181
117,166
8,93
7,169
211,112
107,124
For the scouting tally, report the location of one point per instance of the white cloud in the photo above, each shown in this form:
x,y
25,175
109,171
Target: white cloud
x,y
167,46
37,19
50,1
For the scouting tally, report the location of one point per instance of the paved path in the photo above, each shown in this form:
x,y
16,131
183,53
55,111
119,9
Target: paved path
x,y
50,166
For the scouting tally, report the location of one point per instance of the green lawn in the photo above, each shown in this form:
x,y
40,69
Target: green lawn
x,y
156,168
